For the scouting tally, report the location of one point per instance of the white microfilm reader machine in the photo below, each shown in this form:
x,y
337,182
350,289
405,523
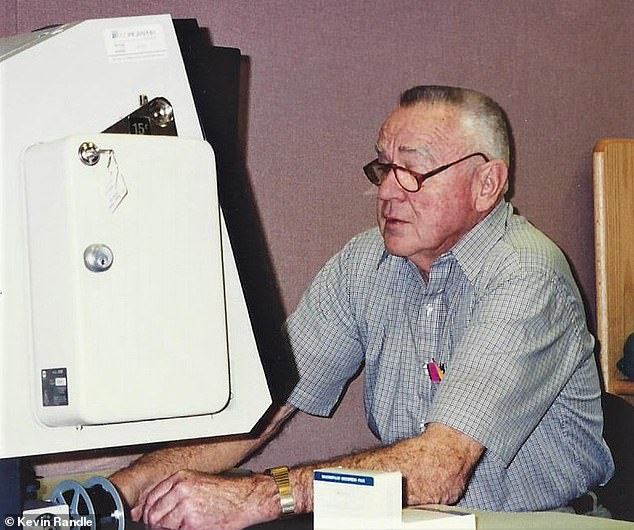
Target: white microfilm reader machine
x,y
123,318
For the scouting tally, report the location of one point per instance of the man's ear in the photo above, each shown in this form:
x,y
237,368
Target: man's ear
x,y
490,184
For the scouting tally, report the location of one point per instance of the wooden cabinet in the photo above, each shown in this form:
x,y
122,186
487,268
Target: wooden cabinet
x,y
613,168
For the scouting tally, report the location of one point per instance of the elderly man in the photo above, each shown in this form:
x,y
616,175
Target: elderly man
x,y
480,378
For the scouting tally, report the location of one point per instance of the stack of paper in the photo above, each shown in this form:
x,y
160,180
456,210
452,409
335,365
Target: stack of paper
x,y
437,517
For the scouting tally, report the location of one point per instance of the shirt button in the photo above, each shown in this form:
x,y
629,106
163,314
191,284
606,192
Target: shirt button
x,y
429,309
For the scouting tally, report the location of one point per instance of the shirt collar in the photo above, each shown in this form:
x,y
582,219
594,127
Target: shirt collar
x,y
471,250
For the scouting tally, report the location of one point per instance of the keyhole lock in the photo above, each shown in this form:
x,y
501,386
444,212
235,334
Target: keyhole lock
x,y
98,258
89,153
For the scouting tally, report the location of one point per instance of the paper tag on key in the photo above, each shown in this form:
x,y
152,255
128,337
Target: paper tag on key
x,y
115,187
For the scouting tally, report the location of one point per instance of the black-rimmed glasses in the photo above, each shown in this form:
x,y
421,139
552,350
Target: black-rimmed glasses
x,y
408,180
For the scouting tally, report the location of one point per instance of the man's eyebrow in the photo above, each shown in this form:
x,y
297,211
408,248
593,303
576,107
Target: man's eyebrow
x,y
420,150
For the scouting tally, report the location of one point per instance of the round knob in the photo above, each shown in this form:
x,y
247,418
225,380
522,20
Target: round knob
x,y
89,153
98,258
161,112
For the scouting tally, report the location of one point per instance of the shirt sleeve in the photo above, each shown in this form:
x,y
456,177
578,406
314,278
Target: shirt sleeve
x,y
323,336
525,339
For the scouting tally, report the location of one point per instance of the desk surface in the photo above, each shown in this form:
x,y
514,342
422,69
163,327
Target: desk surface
x,y
546,521
297,522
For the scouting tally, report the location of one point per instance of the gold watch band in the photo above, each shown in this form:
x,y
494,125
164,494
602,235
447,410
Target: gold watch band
x,y
283,482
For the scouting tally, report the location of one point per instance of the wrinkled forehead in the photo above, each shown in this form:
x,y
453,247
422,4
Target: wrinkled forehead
x,y
421,127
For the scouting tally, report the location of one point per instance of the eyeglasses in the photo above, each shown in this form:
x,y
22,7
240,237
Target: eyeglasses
x,y
408,180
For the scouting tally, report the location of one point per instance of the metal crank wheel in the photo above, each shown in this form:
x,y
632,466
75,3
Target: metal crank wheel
x,y
75,496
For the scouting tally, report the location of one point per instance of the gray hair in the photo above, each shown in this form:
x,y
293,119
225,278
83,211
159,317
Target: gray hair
x,y
483,120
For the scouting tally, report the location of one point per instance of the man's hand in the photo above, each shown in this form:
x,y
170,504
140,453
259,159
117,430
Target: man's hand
x,y
190,500
209,456
132,481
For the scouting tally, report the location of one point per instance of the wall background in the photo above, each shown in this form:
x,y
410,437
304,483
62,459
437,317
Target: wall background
x,y
323,74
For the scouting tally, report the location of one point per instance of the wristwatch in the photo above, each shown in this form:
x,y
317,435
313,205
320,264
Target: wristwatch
x,y
283,482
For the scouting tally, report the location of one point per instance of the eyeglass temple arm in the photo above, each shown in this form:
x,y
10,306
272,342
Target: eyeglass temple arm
x,y
425,176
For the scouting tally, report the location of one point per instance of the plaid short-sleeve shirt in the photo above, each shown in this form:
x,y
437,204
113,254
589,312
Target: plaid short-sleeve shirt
x,y
502,318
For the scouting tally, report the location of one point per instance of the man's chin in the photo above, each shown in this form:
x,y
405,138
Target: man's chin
x,y
394,248
397,241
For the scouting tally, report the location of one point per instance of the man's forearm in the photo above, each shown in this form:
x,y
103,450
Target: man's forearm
x,y
211,457
436,466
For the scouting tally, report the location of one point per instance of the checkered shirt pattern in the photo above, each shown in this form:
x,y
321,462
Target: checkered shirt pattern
x,y
502,315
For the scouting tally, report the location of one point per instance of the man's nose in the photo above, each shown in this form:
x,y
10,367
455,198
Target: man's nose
x,y
390,188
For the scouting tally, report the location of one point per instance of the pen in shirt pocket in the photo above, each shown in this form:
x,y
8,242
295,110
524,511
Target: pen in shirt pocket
x,y
435,371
